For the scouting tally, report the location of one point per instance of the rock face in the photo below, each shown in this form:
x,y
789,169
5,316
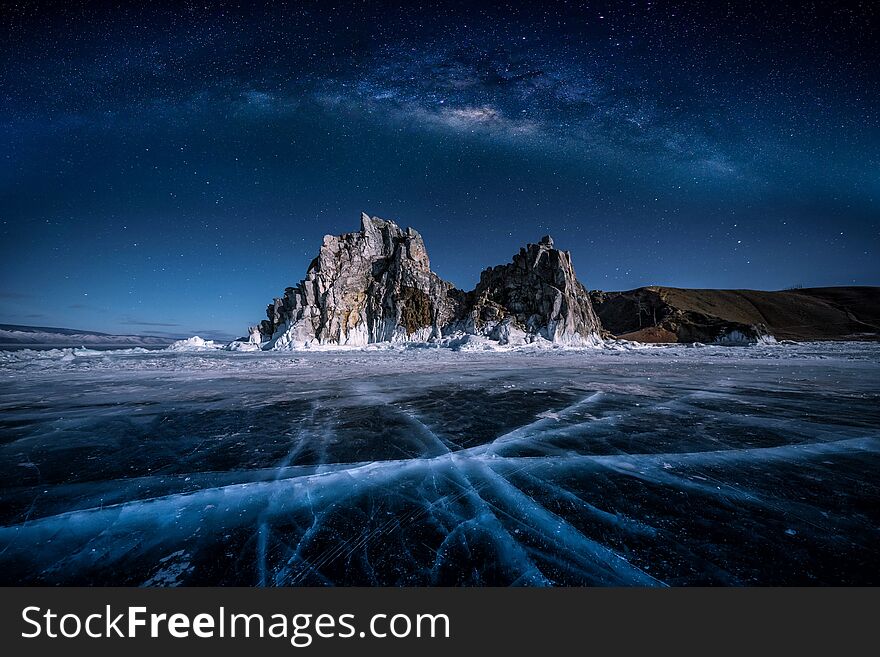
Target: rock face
x,y
376,285
538,294
668,314
652,314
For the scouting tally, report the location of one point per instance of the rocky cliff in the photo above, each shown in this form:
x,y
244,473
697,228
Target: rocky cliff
x,y
376,285
537,294
668,314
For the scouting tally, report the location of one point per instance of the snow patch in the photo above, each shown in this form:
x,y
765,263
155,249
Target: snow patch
x,y
238,345
194,343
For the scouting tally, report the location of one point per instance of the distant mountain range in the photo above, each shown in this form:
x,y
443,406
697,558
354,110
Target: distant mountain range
x,y
14,335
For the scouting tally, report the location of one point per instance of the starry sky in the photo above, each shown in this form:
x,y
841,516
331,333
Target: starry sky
x,y
167,169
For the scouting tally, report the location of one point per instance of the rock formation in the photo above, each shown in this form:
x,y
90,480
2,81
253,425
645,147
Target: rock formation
x,y
538,294
668,314
649,315
376,285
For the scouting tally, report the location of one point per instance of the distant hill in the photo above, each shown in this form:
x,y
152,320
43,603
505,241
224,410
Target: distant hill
x,y
668,314
16,336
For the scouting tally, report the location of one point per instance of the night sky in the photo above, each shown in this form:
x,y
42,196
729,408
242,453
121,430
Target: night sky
x,y
170,169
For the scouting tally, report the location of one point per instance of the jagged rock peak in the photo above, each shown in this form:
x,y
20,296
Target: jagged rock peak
x,y
376,285
537,294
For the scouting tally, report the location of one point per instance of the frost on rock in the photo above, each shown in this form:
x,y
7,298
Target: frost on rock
x,y
254,336
755,334
376,285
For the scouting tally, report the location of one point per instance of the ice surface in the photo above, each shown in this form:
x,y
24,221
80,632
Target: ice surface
x,y
426,466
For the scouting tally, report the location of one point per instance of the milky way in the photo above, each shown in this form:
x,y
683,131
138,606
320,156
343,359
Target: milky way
x,y
169,168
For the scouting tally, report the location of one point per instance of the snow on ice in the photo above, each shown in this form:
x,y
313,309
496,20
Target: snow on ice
x,y
621,464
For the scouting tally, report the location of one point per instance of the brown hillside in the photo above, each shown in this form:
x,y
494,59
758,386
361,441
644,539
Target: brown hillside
x,y
838,313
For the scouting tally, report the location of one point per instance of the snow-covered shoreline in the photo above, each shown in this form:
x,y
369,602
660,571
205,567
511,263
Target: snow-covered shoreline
x,y
189,357
459,341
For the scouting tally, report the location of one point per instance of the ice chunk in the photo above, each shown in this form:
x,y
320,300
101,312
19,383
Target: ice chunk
x,y
194,343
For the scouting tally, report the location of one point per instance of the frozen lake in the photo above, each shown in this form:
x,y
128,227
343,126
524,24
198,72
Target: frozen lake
x,y
657,466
